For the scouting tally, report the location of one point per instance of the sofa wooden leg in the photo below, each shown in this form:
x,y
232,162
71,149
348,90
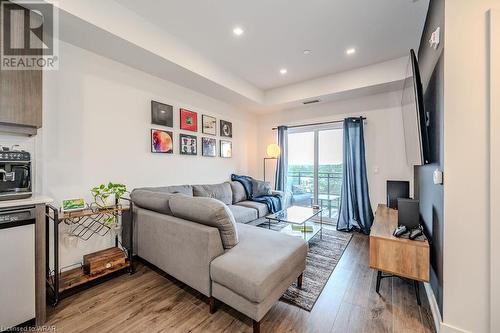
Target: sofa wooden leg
x,y
299,281
256,326
212,305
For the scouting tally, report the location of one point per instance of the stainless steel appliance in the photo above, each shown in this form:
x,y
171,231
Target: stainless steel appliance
x,y
15,173
17,271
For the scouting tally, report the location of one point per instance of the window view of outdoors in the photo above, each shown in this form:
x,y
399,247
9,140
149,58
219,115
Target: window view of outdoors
x,y
301,150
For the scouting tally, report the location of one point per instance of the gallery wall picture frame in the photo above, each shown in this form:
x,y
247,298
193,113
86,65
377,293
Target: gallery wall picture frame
x,y
162,141
188,144
188,120
226,149
208,125
208,147
162,114
226,129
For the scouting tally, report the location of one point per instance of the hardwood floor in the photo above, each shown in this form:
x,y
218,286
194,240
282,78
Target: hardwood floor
x,y
149,302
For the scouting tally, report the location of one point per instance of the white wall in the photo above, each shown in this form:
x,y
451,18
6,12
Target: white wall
x,y
494,121
96,128
384,138
467,155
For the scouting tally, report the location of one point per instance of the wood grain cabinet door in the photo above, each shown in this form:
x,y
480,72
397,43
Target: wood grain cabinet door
x,y
21,90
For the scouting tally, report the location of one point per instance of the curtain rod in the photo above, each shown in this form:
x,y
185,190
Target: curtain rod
x,y
315,124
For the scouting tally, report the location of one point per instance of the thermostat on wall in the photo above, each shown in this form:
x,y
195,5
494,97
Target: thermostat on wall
x,y
434,40
437,177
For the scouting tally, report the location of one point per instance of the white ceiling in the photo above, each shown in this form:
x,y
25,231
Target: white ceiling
x,y
277,32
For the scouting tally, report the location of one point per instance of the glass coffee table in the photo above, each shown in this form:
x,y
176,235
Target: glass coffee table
x,y
299,221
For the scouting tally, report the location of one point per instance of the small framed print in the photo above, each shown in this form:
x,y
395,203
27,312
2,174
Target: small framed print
x,y
72,205
189,120
226,149
209,125
209,147
226,129
162,141
188,144
162,114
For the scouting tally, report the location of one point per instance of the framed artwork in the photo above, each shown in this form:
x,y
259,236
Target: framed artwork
x,y
208,125
208,147
162,114
189,120
226,149
162,141
72,205
226,129
188,144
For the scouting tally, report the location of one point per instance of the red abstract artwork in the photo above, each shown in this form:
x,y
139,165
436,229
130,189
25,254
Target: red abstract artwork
x,y
189,120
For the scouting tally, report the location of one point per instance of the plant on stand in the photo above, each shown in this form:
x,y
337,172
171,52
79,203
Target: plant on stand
x,y
106,195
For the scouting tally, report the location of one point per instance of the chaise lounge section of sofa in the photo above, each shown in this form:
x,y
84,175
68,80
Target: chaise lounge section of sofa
x,y
210,244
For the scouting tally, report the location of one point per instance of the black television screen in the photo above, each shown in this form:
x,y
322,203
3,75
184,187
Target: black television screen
x,y
414,116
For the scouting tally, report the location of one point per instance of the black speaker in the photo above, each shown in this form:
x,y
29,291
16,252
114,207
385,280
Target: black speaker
x,y
397,189
408,213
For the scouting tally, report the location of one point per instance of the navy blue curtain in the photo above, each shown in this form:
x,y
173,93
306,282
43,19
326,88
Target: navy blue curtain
x,y
355,209
281,164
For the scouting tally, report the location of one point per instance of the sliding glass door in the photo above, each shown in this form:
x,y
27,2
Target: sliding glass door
x,y
330,170
315,167
301,157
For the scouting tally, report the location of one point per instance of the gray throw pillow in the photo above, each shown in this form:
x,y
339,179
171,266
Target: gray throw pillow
x,y
260,188
207,211
220,192
152,200
239,193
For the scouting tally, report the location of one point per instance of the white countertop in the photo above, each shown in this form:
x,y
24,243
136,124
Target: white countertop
x,y
35,199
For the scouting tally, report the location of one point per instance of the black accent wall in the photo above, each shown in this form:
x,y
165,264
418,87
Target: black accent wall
x,y
430,195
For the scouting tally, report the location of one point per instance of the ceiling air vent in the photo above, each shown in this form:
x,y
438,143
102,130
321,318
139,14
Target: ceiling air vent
x,y
311,101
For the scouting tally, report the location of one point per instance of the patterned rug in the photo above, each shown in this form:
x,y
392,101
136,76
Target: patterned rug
x,y
323,256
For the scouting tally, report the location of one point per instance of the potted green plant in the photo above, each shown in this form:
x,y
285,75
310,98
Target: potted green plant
x,y
106,195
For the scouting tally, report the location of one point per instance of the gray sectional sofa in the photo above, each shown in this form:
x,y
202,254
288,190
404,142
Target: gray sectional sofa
x,y
203,236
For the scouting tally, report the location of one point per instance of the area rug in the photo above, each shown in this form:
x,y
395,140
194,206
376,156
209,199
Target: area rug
x,y
323,256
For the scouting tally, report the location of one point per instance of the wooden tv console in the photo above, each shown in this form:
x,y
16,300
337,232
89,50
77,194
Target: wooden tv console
x,y
396,256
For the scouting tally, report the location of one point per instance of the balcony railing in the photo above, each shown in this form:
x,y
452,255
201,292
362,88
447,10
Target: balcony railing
x,y
301,184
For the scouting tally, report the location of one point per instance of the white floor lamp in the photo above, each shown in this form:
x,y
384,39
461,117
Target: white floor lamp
x,y
273,152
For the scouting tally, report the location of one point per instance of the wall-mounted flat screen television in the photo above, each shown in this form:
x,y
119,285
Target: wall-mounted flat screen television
x,y
415,119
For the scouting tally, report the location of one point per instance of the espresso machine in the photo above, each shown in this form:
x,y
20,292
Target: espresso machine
x,y
15,173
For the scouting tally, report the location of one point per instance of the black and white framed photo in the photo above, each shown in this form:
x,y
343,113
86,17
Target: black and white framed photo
x,y
226,149
188,144
209,125
208,147
162,114
226,129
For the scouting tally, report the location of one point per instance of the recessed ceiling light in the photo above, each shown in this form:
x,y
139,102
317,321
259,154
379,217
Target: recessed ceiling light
x,y
238,31
307,52
350,51
283,71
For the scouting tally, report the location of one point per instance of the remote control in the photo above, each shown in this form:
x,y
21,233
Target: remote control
x,y
400,231
415,233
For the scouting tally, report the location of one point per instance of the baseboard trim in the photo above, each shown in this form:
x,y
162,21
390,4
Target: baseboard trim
x,y
445,328
439,325
436,315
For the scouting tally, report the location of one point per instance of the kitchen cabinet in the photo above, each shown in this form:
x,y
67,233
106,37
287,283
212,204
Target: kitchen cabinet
x,y
20,90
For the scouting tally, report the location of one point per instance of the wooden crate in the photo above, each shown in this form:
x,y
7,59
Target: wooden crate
x,y
100,261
